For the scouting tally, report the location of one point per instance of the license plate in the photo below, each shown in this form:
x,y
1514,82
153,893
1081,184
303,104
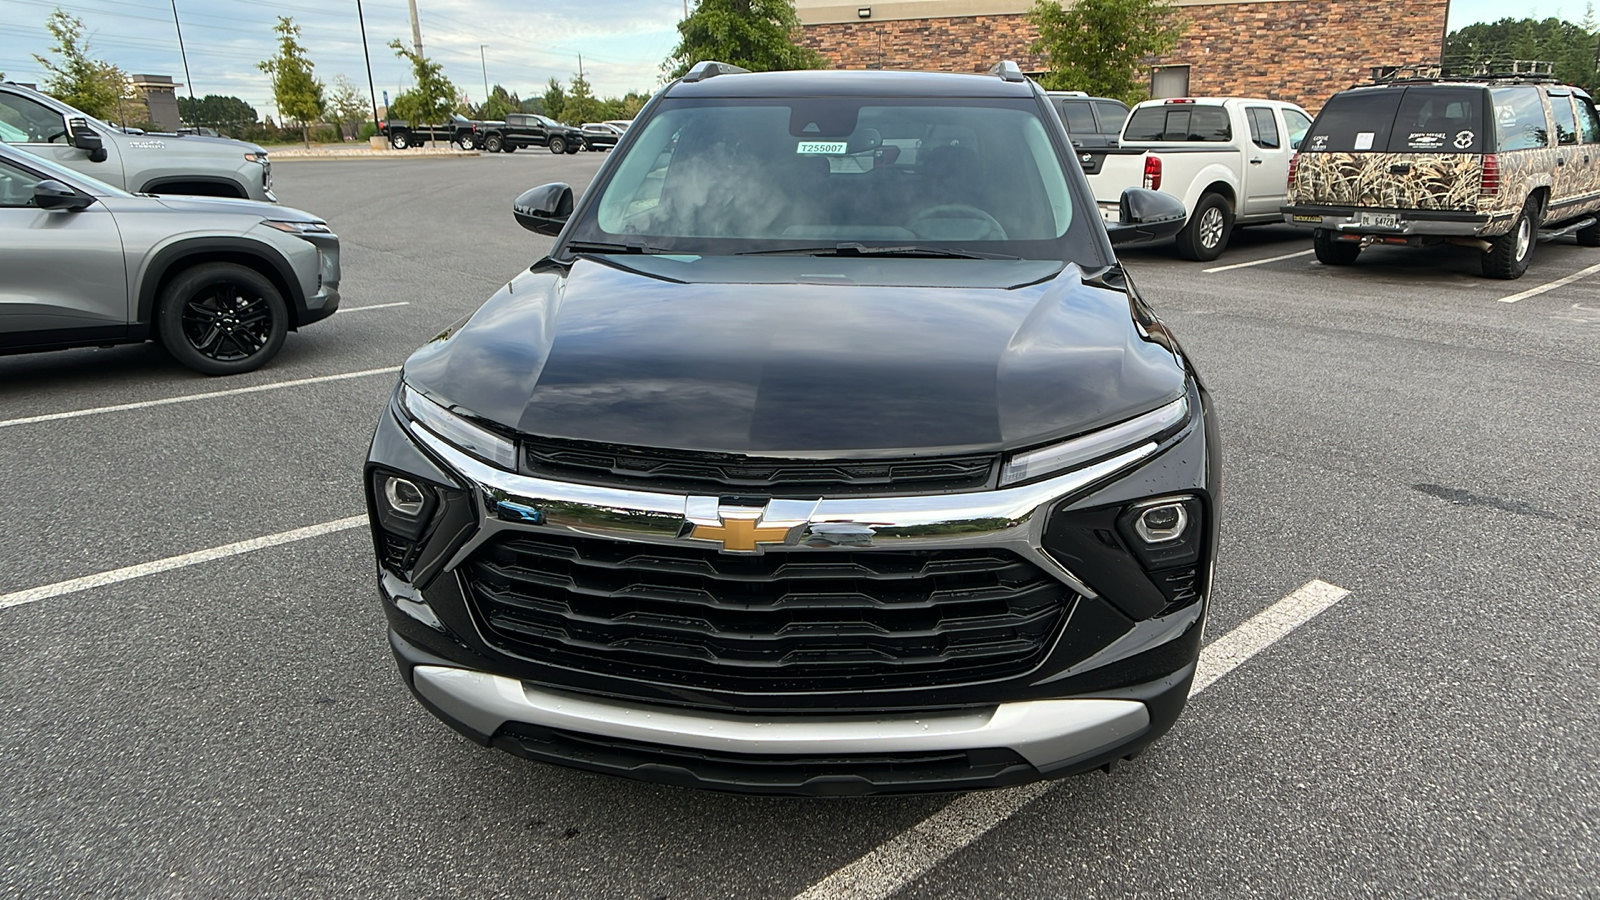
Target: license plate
x,y
1314,220
1380,220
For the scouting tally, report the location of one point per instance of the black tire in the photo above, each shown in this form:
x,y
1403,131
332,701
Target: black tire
x,y
1205,235
575,147
1589,237
222,319
1510,253
558,145
1333,252
399,141
493,143
509,148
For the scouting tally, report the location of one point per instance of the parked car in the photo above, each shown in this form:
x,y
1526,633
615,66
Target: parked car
x,y
803,466
132,160
529,130
620,123
217,282
1092,122
1227,159
457,129
600,136
1491,163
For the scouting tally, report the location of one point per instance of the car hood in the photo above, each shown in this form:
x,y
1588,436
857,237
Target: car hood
x,y
853,357
183,203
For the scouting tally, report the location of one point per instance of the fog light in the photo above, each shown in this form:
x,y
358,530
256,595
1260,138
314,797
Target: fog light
x,y
1163,523
403,496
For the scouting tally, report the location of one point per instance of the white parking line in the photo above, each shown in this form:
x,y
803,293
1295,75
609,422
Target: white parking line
x,y
344,309
1257,262
907,856
73,585
1559,282
187,398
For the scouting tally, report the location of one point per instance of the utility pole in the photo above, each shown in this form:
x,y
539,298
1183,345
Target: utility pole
x,y
485,67
416,30
372,91
188,82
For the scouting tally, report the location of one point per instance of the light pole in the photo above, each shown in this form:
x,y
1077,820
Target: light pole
x,y
371,90
485,67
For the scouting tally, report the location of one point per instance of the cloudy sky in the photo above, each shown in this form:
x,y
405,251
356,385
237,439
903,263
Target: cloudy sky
x,y
622,41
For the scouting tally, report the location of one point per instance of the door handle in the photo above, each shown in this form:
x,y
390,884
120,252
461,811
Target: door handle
x,y
1561,160
1255,162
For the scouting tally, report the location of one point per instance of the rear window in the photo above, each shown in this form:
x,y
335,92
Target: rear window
x,y
1519,118
1179,122
1424,119
1077,116
1112,115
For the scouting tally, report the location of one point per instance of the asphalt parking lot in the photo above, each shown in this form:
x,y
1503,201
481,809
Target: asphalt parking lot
x,y
231,724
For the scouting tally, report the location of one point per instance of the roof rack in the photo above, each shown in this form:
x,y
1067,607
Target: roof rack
x,y
1007,70
700,71
1486,70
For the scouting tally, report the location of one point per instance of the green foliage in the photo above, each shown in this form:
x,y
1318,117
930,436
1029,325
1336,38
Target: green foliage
x,y
755,34
1571,46
296,92
555,100
74,77
368,129
347,105
582,105
533,105
500,102
1098,46
228,114
431,99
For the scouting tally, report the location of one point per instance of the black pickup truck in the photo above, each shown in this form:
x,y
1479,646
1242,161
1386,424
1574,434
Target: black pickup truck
x,y
529,130
458,130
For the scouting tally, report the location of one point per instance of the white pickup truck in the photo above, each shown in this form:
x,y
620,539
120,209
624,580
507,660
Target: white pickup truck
x,y
1226,159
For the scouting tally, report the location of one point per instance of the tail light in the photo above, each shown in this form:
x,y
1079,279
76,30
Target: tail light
x,y
1294,164
1491,176
1152,173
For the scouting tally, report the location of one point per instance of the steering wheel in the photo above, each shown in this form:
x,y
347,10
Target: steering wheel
x,y
958,211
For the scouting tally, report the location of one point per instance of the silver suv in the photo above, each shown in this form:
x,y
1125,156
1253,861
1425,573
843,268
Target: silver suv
x,y
141,163
217,282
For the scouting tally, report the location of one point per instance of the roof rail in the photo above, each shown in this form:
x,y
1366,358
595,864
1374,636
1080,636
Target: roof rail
x,y
700,71
1008,70
1483,70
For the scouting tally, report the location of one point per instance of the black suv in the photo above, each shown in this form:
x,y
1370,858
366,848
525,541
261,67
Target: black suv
x,y
830,451
1093,123
528,130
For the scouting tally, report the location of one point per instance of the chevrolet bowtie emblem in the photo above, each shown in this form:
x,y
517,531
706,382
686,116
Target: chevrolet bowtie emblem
x,y
744,529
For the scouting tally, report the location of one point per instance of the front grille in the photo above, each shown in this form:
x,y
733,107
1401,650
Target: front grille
x,y
694,471
776,623
816,775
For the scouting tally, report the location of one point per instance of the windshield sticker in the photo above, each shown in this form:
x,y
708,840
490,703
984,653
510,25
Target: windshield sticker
x,y
1364,140
1425,140
1464,139
827,147
1319,142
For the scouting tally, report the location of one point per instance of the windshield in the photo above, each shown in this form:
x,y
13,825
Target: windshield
x,y
71,176
745,175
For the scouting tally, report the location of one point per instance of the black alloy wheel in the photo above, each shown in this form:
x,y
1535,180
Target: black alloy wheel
x,y
558,145
493,143
1333,252
222,319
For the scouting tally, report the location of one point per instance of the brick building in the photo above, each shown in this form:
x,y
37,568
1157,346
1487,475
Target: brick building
x,y
1296,50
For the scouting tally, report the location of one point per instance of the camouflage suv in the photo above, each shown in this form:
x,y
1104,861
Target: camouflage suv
x,y
1494,164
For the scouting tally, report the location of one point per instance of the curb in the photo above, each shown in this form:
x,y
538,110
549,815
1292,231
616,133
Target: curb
x,y
365,155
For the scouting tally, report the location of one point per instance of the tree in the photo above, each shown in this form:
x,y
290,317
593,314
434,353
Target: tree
x,y
1488,45
500,102
297,93
755,34
582,105
1100,46
347,106
431,99
77,79
228,114
555,100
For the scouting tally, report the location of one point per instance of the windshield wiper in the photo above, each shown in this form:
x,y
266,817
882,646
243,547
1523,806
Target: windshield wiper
x,y
602,247
853,248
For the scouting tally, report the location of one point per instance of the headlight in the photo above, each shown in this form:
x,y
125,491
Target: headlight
x,y
1070,454
458,432
298,227
260,157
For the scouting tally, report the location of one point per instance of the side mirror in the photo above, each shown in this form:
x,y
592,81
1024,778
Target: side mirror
x,y
544,209
1146,216
85,138
52,194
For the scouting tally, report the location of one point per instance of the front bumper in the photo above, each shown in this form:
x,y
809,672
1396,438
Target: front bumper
x,y
1109,681
1394,222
